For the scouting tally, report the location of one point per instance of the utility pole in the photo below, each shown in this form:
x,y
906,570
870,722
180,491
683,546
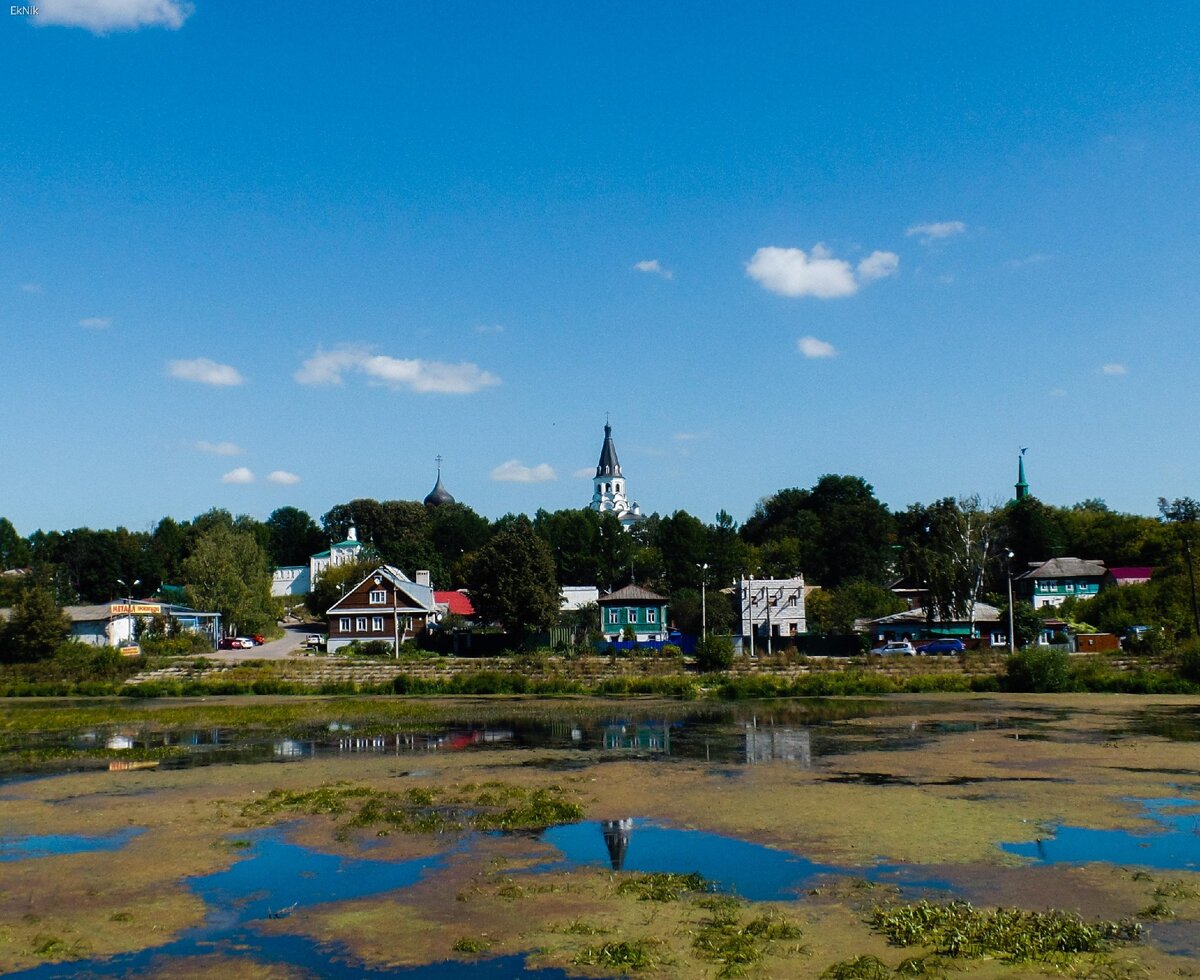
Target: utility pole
x,y
703,600
1011,638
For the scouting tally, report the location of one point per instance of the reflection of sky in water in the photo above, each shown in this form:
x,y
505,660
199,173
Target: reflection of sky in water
x,y
1175,846
45,845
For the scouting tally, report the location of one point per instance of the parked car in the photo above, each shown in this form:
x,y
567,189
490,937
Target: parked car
x,y
245,642
947,645
258,639
229,643
895,648
314,641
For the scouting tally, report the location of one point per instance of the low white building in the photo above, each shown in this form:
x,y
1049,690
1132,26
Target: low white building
x,y
771,608
299,579
572,597
113,624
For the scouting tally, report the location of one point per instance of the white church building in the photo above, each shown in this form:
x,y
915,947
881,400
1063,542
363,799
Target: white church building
x,y
609,492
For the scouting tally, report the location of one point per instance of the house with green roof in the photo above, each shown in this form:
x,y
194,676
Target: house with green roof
x,y
299,579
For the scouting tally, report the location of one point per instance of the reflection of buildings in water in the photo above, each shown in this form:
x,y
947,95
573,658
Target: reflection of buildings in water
x,y
126,765
289,748
650,737
422,743
778,744
119,742
616,839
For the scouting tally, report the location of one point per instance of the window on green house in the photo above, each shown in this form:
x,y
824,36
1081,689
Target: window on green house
x,y
631,615
614,617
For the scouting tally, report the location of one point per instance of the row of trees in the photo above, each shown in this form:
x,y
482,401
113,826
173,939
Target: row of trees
x,y
837,533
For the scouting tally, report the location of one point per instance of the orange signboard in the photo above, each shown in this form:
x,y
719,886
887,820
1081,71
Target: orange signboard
x,y
136,609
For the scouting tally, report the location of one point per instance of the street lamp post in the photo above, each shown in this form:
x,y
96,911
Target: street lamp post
x,y
703,599
750,609
129,602
1011,638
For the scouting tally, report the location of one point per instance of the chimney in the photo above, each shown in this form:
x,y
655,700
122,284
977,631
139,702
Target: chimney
x,y
424,579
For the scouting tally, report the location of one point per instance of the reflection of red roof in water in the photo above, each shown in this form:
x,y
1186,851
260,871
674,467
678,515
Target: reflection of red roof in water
x,y
459,603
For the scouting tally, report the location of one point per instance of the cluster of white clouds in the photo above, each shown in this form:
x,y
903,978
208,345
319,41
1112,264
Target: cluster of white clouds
x,y
205,371
243,474
514,471
414,374
103,16
794,272
811,347
1114,369
654,267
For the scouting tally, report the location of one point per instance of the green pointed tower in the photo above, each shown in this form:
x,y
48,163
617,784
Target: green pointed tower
x,y
1022,484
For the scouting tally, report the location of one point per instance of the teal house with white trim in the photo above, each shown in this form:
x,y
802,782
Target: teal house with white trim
x,y
1049,583
642,610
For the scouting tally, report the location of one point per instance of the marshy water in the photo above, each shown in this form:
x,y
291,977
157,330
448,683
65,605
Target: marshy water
x,y
822,808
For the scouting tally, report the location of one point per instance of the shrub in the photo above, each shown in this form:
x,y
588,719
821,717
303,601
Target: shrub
x,y
714,652
1040,670
1189,662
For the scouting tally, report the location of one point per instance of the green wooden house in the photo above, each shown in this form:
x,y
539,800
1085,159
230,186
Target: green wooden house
x,y
1048,583
645,612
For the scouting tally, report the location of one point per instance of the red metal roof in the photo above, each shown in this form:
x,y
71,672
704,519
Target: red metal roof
x,y
459,602
1132,571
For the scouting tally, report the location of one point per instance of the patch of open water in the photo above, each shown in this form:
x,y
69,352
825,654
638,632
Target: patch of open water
x,y
1175,846
45,845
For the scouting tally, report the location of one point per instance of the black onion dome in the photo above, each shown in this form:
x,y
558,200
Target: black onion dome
x,y
439,494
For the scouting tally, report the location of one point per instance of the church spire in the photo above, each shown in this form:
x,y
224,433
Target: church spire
x,y
1022,484
609,465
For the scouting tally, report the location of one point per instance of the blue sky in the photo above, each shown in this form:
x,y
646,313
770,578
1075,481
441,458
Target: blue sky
x,y
328,243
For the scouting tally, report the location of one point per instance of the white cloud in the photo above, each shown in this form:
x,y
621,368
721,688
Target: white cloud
x,y
31,287
515,472
96,322
1059,392
790,272
1037,258
878,265
241,475
1114,369
283,478
584,473
689,436
205,371
934,230
812,347
653,266
490,328
423,377
102,16
219,448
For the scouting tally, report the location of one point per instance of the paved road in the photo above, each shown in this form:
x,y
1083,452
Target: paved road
x,y
291,644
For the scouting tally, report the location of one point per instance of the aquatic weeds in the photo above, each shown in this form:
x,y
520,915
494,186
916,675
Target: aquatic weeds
x,y
423,810
471,946
958,929
663,886
640,954
858,968
723,938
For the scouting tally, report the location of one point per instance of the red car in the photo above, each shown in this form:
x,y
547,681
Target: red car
x,y
258,639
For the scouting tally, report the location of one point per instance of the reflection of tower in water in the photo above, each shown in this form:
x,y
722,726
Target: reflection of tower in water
x,y
616,839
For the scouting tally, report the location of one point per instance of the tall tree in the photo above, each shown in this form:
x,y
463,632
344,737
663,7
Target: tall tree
x,y
293,536
513,582
228,572
1183,514
14,549
36,627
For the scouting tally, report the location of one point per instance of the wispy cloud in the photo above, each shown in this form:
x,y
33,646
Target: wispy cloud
x,y
1058,392
689,436
103,16
878,265
32,287
933,230
793,272
584,473
241,475
1114,369
414,374
654,267
490,328
96,322
205,371
1037,258
514,471
283,478
219,448
811,347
